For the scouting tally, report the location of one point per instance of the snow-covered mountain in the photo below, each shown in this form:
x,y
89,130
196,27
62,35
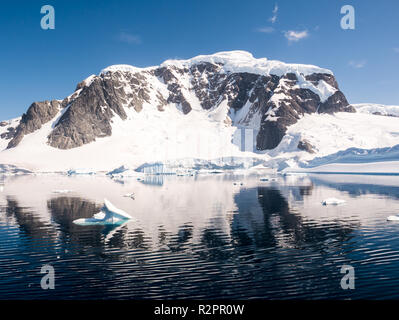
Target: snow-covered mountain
x,y
377,109
224,105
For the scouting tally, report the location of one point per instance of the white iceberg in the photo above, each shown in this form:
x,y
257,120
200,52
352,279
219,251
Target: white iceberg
x,y
184,172
124,172
333,201
109,214
83,171
393,218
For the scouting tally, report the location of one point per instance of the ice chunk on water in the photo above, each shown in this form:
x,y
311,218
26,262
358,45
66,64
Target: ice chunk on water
x,y
393,218
109,214
73,172
124,172
100,215
333,201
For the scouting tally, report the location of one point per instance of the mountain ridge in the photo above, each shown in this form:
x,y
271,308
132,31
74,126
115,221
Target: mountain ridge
x,y
266,89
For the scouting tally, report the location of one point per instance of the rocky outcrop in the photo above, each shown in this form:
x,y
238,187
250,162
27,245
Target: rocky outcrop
x,y
38,114
89,115
290,102
9,134
336,103
305,146
271,101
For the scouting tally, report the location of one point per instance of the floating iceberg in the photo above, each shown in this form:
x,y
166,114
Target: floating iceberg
x,y
124,172
184,172
333,201
109,214
74,172
8,169
393,218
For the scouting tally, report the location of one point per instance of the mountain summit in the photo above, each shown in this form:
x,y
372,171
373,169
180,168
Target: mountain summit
x,y
229,90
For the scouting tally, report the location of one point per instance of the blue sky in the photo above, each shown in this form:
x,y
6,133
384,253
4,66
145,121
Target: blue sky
x,y
41,64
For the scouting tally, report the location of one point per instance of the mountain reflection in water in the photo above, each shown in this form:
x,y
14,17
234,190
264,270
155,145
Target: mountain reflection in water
x,y
196,237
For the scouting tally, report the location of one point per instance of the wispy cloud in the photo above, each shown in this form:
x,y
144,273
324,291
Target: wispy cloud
x,y
129,38
295,36
265,30
357,64
273,18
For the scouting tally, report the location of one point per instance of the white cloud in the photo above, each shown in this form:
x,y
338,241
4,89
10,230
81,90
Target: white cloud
x,y
294,36
357,64
129,38
266,30
273,19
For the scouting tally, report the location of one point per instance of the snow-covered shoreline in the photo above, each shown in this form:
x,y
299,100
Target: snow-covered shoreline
x,y
334,138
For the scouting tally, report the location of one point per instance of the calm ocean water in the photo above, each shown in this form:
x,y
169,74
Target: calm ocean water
x,y
201,237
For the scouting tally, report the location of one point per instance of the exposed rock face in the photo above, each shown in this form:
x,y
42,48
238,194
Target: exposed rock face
x,y
265,102
290,103
88,116
305,146
336,103
38,114
9,134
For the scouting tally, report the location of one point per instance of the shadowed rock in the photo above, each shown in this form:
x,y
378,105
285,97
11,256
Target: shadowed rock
x,y
37,115
296,102
305,146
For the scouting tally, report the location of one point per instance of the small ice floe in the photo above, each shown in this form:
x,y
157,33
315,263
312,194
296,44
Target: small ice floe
x,y
184,172
62,191
74,172
293,173
124,172
129,195
216,172
332,201
109,215
393,218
